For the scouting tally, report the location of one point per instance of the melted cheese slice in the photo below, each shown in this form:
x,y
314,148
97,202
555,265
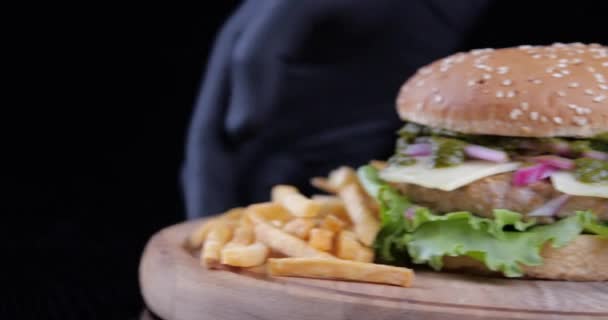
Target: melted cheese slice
x,y
566,182
447,179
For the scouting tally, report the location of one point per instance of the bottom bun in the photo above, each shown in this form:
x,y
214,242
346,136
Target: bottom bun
x,y
583,259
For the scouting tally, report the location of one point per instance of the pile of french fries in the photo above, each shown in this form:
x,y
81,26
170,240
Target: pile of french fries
x,y
326,236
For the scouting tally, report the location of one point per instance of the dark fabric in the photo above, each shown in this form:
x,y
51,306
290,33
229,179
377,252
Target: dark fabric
x,y
295,88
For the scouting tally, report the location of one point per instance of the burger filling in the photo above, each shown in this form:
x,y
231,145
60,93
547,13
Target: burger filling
x,y
495,199
587,158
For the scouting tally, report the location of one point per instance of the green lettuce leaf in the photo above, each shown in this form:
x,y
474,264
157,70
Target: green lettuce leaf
x,y
413,233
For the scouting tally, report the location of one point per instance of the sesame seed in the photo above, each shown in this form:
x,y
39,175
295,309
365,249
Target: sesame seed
x,y
544,119
562,61
486,76
511,94
477,52
576,61
425,70
605,64
562,65
551,56
573,84
591,69
561,93
599,77
502,70
549,70
500,94
471,83
534,115
581,121
603,86
537,56
525,47
420,83
438,98
515,113
524,105
599,98
565,71
589,92
557,75
507,82
537,81
444,68
558,120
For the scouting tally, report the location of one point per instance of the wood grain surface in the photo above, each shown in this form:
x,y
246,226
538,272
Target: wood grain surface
x,y
176,287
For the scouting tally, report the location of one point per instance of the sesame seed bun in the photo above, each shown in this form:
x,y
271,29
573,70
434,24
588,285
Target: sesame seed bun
x,y
529,91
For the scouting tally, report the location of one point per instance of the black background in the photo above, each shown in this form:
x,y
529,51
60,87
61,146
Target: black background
x,y
102,98
96,135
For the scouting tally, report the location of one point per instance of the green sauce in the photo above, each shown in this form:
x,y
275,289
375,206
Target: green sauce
x,y
401,160
447,152
410,131
602,137
591,170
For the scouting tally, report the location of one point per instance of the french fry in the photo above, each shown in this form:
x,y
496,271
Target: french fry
x,y
323,184
331,205
379,165
300,227
300,206
366,225
243,234
321,239
268,211
217,237
285,243
280,191
197,237
342,177
252,255
349,248
341,270
332,223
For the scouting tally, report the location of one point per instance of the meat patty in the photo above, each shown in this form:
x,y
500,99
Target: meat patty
x,y
497,192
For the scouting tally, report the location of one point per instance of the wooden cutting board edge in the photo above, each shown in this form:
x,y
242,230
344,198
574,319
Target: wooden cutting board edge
x,y
175,287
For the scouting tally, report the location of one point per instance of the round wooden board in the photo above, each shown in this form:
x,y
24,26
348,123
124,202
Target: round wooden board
x,y
176,287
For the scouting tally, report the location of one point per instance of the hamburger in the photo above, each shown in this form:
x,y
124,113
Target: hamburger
x,y
501,165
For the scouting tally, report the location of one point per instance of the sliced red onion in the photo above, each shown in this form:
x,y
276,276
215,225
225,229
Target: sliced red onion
x,y
528,175
423,140
410,212
561,147
419,149
556,162
593,154
548,172
483,153
550,208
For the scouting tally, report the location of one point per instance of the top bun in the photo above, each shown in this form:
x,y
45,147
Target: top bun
x,y
529,91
